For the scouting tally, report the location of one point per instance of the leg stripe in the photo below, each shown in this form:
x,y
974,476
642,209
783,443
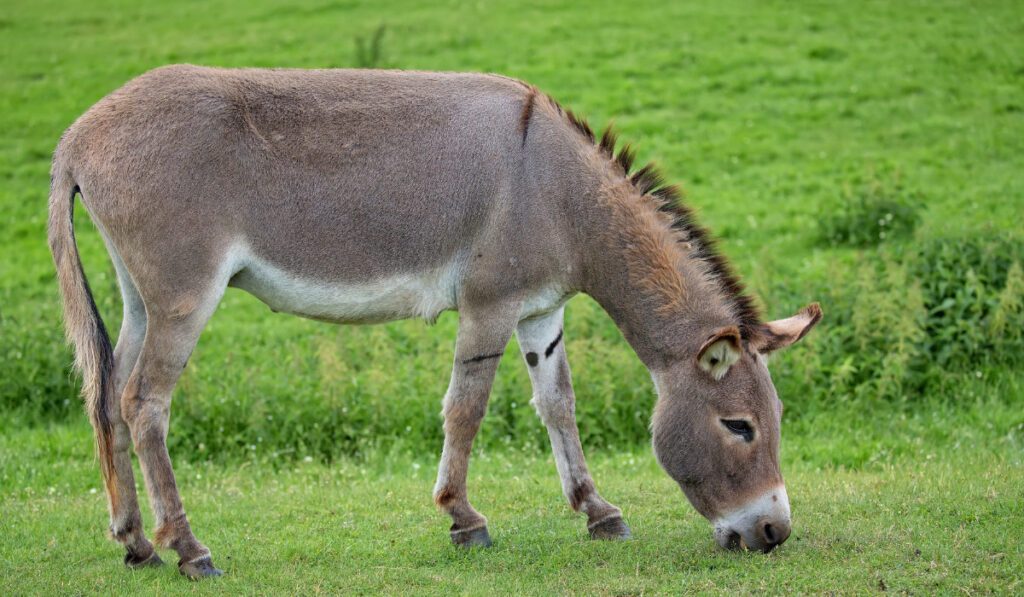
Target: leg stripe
x,y
482,358
554,343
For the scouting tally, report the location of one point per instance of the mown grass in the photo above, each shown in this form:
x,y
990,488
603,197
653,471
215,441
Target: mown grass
x,y
865,155
948,523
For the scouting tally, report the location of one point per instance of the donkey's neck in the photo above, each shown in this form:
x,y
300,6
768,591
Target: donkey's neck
x,y
650,280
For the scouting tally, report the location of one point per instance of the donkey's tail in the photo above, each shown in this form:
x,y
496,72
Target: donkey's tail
x,y
83,325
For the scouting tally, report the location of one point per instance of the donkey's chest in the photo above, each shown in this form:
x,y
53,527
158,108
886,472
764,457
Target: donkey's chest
x,y
422,294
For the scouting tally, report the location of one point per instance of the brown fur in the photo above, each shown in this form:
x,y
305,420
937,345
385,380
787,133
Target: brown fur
x,y
578,122
771,339
167,534
649,182
444,497
580,493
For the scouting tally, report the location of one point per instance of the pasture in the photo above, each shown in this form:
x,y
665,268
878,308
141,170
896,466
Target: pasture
x,y
866,156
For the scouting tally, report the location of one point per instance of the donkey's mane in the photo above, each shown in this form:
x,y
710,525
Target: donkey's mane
x,y
668,198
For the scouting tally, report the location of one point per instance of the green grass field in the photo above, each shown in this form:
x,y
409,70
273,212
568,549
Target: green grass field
x,y
941,524
866,155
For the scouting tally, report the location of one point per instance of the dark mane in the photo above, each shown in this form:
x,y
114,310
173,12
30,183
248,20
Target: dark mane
x,y
669,199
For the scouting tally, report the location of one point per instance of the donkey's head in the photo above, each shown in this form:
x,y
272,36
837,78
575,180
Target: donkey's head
x,y
716,431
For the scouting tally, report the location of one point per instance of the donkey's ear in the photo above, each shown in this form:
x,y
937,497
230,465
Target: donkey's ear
x,y
720,352
783,332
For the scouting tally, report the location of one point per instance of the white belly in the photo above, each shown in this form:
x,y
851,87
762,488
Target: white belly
x,y
401,296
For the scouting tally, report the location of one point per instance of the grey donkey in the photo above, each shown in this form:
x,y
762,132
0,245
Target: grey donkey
x,y
360,196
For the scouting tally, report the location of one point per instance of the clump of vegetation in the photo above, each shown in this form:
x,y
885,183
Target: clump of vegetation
x,y
368,53
1005,322
912,319
870,212
974,291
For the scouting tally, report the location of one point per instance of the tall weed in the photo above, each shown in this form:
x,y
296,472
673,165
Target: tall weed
x,y
886,319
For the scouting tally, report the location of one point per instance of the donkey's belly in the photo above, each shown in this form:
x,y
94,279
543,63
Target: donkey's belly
x,y
397,296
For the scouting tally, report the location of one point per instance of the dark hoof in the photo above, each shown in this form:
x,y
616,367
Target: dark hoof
x,y
610,529
474,538
199,568
134,561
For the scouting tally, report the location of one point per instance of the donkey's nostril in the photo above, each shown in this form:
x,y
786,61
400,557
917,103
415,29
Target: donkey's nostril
x,y
773,533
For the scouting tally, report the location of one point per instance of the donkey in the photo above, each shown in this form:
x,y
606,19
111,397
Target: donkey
x,y
360,196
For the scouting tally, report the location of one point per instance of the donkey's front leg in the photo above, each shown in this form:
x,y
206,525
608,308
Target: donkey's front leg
x,y
483,335
540,340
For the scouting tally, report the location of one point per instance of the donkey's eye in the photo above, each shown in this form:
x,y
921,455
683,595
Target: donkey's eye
x,y
740,428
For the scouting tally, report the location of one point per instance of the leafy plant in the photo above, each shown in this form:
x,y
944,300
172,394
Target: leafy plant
x,y
870,212
910,320
973,292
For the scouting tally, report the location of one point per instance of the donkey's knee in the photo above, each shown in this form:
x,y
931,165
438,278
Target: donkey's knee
x,y
463,414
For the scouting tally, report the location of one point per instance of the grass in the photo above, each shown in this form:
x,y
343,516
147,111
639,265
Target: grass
x,y
865,155
942,524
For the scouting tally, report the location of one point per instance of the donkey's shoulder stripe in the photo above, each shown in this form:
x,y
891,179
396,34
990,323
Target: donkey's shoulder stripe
x,y
524,118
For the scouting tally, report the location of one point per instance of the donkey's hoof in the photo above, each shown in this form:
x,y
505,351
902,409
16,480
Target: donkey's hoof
x,y
610,529
135,561
198,568
473,538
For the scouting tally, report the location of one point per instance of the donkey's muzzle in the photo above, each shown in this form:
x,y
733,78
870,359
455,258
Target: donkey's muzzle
x,y
765,536
761,524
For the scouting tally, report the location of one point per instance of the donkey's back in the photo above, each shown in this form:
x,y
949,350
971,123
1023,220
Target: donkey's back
x,y
345,195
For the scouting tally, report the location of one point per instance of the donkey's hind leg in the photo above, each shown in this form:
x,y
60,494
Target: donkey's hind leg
x,y
174,322
125,517
540,340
